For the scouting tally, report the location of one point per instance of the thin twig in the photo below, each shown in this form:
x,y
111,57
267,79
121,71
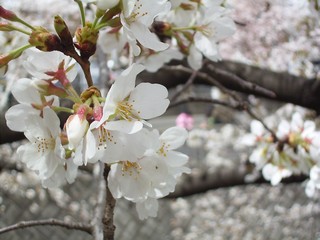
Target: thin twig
x,y
241,104
108,226
48,222
99,210
205,100
185,86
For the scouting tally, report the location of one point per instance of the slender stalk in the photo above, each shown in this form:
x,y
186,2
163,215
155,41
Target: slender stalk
x,y
108,226
47,222
25,23
82,13
20,30
62,109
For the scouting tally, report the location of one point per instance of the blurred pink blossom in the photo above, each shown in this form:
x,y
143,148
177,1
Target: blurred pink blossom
x,y
185,120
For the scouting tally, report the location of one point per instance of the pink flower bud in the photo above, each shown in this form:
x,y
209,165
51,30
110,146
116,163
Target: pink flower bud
x,y
76,127
9,15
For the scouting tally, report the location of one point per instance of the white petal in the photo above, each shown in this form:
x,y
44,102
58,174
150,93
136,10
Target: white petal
x,y
175,137
149,100
147,208
146,38
194,58
25,92
124,126
16,116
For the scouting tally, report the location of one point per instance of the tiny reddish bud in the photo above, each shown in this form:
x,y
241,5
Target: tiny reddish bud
x,y
7,14
45,41
162,27
87,38
6,58
63,32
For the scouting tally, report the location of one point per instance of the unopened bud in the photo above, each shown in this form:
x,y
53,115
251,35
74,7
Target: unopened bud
x,y
6,27
45,41
162,27
63,32
6,58
87,40
76,127
107,4
7,14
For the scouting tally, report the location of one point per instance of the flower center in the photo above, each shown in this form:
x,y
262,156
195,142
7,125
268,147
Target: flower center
x,y
125,111
44,144
136,13
104,137
130,168
164,149
206,30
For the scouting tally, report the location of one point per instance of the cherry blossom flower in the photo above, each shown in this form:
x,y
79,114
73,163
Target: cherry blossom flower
x,y
126,105
211,29
44,152
39,63
275,173
152,174
31,104
137,17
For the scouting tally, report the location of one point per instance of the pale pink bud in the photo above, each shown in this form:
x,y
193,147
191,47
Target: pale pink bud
x,y
76,127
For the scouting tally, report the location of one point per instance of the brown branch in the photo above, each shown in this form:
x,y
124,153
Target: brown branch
x,y
185,86
48,222
205,100
84,64
108,226
99,209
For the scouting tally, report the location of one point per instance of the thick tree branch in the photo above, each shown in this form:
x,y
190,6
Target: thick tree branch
x,y
233,75
48,222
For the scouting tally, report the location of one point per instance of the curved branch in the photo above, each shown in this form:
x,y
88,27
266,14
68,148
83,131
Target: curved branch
x,y
48,222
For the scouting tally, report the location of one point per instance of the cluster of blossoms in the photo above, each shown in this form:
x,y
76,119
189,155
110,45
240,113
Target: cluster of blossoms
x,y
144,165
113,129
194,27
294,150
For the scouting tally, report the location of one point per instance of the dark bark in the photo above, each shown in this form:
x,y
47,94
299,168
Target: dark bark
x,y
233,75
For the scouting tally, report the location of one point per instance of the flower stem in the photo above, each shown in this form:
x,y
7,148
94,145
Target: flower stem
x,y
62,109
108,226
82,13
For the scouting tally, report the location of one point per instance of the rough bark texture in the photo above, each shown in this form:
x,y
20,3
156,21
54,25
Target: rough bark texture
x,y
287,88
108,226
